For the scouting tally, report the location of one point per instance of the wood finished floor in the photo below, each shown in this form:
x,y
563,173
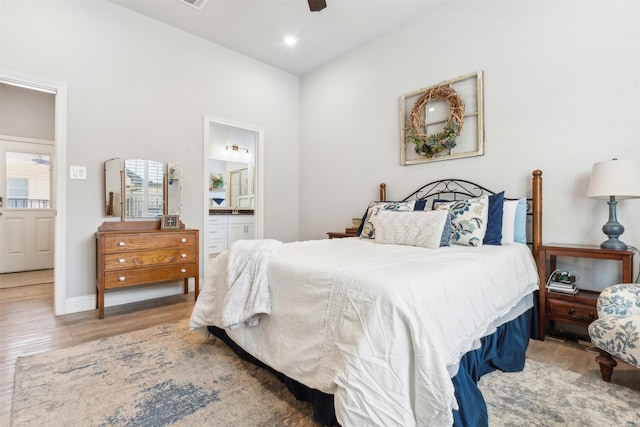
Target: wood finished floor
x,y
27,326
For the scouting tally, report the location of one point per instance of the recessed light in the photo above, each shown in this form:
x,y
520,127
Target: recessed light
x,y
290,40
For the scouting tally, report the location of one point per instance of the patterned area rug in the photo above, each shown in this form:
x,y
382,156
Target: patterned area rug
x,y
160,376
169,375
544,396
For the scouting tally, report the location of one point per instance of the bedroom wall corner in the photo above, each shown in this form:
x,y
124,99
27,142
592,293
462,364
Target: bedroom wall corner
x,y
559,97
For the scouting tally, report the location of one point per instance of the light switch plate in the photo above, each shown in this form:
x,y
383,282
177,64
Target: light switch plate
x,y
78,172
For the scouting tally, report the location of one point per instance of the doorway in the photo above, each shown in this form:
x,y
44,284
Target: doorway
x,y
27,205
233,180
57,182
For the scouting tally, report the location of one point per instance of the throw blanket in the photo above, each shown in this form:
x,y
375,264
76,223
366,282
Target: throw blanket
x,y
247,296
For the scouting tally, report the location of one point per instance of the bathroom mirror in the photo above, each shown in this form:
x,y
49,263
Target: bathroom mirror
x,y
140,188
231,167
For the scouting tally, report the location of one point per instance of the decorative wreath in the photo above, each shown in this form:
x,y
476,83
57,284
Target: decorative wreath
x,y
429,145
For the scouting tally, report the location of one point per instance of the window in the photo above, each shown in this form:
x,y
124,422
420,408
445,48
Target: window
x,y
28,181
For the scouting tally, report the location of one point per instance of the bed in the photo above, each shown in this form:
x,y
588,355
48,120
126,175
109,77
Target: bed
x,y
395,326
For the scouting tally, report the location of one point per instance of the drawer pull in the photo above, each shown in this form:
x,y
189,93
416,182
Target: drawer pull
x,y
183,270
121,260
183,255
121,244
183,240
572,314
121,279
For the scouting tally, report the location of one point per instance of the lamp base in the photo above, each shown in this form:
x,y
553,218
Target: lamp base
x,y
613,229
614,244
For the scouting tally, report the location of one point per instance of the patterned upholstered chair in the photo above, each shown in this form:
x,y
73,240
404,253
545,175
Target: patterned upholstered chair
x,y
616,332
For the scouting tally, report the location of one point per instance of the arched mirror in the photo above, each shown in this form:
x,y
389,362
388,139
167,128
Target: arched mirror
x,y
140,189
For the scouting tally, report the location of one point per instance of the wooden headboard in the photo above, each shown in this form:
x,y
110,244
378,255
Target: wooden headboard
x,y
456,189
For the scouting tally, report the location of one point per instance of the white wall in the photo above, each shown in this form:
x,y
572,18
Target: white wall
x,y
140,89
562,91
562,86
27,113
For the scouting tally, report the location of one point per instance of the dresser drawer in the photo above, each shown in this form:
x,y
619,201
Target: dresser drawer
x,y
129,242
148,258
138,276
568,310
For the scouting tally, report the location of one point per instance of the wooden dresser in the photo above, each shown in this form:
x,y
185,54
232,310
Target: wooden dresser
x,y
131,253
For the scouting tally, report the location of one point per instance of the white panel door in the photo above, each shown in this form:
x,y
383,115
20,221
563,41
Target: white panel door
x,y
27,207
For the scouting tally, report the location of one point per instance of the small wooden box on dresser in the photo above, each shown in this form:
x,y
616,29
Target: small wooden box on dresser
x,y
579,309
139,252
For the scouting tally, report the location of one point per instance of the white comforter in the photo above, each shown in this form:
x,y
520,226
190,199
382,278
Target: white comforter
x,y
382,327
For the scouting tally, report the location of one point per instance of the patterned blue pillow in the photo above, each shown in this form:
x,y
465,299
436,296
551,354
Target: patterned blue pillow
x,y
446,231
368,227
418,206
469,222
493,235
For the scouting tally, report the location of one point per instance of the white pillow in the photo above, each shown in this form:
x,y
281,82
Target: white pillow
x,y
469,222
417,228
514,220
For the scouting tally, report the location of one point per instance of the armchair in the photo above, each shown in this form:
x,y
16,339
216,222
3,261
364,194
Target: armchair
x,y
616,332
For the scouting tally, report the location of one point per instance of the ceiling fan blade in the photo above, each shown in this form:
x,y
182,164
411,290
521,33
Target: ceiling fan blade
x,y
317,5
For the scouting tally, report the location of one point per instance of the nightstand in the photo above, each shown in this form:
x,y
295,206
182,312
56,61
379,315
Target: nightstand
x,y
579,309
348,232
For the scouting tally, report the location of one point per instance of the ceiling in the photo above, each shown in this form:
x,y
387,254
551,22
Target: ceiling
x,y
257,27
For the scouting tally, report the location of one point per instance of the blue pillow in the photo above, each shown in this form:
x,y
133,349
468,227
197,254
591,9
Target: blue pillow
x,y
520,224
446,231
493,236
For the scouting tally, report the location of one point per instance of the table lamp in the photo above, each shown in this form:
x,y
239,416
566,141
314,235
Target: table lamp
x,y
613,179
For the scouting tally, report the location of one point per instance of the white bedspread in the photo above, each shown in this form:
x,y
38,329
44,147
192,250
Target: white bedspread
x,y
382,327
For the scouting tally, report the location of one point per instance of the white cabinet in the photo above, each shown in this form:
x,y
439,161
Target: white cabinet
x,y
226,229
217,234
240,228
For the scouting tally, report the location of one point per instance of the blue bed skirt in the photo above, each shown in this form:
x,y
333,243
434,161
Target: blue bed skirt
x,y
505,350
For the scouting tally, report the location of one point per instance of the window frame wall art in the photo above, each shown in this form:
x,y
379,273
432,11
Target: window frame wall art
x,y
443,122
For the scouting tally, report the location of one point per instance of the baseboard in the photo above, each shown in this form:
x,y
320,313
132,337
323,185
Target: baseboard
x,y
127,295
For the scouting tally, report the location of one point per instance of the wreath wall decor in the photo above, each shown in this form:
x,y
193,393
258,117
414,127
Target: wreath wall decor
x,y
429,145
419,140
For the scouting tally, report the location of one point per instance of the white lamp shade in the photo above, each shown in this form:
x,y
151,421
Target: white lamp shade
x,y
619,178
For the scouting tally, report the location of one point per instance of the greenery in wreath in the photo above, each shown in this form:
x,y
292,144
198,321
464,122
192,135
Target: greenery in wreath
x,y
435,143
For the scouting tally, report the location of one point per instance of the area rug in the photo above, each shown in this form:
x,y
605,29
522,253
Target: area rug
x,y
544,396
169,375
156,377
